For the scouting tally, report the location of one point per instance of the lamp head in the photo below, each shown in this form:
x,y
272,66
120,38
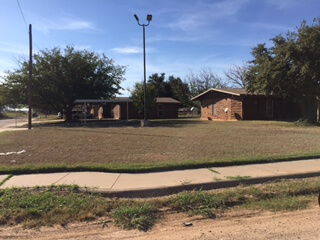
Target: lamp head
x,y
149,17
136,17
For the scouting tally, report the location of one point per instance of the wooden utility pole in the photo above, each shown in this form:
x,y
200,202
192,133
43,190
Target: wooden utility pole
x,y
30,79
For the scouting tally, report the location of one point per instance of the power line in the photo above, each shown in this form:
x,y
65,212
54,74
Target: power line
x,y
25,22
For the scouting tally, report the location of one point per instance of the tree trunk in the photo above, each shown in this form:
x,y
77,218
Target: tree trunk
x,y
68,114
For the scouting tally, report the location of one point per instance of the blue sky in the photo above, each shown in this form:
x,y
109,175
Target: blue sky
x,y
184,35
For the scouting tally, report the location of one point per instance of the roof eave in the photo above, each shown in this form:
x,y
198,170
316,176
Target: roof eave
x,y
217,90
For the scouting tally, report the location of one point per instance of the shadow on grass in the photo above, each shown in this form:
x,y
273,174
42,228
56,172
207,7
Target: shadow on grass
x,y
137,168
110,123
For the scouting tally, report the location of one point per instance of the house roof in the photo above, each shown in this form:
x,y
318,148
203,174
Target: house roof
x,y
124,99
114,100
231,91
166,100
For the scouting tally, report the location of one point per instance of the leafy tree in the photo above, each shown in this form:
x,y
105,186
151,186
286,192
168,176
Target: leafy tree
x,y
290,68
172,87
180,91
2,98
62,76
161,86
137,95
203,80
237,75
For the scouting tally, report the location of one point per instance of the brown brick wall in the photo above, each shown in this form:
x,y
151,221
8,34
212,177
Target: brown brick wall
x,y
223,102
236,109
170,110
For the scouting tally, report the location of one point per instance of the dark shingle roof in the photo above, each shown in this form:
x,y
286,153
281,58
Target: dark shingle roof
x,y
125,99
166,100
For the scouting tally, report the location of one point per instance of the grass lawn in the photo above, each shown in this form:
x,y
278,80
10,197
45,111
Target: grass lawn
x,y
119,146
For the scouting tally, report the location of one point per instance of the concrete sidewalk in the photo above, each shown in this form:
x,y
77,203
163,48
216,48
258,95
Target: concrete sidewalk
x,y
164,183
22,124
15,126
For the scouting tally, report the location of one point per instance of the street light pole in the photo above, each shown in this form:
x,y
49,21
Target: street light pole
x,y
149,18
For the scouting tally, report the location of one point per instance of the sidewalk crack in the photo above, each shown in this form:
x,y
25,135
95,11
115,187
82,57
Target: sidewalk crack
x,y
61,178
115,181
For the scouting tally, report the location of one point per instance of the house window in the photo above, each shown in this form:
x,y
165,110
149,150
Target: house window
x,y
160,110
214,108
269,108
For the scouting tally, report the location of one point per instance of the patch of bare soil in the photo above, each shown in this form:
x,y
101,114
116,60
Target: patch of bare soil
x,y
303,224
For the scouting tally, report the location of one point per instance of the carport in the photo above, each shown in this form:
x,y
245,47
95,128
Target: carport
x,y
117,108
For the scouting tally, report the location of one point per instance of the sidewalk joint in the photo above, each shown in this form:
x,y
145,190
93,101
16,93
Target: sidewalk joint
x,y
61,178
115,181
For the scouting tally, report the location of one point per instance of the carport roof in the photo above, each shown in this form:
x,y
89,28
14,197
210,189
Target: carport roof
x,y
114,100
124,99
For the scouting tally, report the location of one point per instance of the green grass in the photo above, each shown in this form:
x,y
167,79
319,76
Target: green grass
x,y
237,177
196,203
141,217
175,144
67,204
282,203
49,207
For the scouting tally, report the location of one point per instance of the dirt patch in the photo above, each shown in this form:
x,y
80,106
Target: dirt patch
x,y
234,225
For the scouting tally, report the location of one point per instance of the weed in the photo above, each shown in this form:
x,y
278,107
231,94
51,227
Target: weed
x,y
281,203
38,208
214,171
6,179
65,204
196,203
239,178
135,217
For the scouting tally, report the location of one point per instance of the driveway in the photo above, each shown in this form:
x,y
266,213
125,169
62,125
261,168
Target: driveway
x,y
6,124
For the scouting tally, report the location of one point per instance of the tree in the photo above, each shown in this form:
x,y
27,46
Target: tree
x,y
172,87
2,98
137,95
62,76
180,90
203,80
162,87
236,75
290,68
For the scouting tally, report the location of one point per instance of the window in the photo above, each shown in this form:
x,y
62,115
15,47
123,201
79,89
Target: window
x,y
160,110
214,108
269,108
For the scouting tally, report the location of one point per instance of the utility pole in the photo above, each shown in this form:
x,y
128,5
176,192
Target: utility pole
x,y
30,79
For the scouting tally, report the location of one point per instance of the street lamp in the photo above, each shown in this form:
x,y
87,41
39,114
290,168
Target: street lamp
x,y
149,18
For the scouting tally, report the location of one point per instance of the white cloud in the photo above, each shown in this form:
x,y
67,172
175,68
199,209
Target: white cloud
x,y
131,50
47,25
204,13
127,50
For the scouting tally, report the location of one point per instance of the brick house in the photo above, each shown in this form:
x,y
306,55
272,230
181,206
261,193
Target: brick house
x,y
122,108
238,104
